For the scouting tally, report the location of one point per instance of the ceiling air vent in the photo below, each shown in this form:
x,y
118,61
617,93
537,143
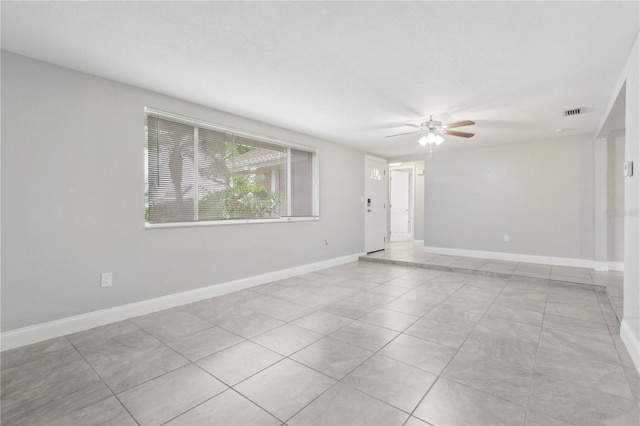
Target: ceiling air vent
x,y
571,112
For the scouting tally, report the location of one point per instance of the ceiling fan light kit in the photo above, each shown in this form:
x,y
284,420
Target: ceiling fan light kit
x,y
433,130
430,138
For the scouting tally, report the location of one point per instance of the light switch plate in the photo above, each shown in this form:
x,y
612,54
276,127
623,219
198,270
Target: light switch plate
x,y
628,168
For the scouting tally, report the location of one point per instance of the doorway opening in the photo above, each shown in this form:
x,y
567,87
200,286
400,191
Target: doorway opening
x,y
401,204
375,206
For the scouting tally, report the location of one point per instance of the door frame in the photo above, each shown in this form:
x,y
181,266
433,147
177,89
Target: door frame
x,y
412,198
385,182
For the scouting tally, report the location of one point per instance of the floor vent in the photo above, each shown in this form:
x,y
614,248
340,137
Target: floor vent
x,y
571,112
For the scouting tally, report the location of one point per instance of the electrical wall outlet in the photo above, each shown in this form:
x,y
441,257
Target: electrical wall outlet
x,y
106,279
507,238
326,243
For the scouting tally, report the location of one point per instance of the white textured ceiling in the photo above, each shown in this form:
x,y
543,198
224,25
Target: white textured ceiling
x,y
351,71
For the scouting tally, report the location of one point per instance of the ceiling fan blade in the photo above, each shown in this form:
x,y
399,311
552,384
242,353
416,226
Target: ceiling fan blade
x,y
401,134
459,124
456,133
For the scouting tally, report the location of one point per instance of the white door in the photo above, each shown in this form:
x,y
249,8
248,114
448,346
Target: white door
x,y
375,203
399,196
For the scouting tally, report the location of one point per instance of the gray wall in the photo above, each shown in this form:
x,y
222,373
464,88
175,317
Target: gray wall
x,y
73,201
540,193
615,197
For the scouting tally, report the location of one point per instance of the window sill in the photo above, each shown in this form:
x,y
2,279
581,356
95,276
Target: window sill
x,y
229,222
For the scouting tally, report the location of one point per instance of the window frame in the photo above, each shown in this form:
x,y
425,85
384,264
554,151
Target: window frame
x,y
315,173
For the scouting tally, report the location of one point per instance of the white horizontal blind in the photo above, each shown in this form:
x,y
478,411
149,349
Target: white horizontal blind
x,y
212,170
197,173
171,172
301,183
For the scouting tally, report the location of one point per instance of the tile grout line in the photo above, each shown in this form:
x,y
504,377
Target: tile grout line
x,y
374,353
229,387
189,362
340,381
284,357
532,370
535,359
103,382
573,286
411,413
232,387
447,364
402,332
454,355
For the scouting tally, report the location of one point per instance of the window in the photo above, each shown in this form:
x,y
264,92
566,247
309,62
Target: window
x,y
198,172
375,174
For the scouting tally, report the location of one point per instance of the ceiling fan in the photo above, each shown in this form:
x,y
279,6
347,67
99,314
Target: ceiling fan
x,y
433,130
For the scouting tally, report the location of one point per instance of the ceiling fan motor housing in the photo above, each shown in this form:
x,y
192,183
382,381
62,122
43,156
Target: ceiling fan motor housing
x,y
433,126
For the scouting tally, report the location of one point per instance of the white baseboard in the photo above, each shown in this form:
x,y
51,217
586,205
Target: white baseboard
x,y
514,257
48,330
631,341
601,266
608,266
616,266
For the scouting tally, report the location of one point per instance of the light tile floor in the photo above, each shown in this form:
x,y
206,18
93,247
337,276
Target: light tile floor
x,y
363,343
411,254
